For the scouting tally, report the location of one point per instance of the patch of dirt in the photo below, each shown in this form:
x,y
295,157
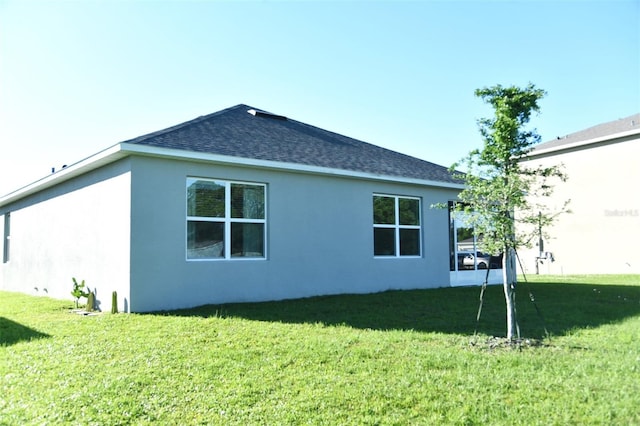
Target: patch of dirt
x,y
497,343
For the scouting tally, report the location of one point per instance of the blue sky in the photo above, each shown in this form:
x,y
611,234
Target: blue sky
x,y
78,77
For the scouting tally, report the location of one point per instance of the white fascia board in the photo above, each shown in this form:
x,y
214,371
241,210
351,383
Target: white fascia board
x,y
124,149
579,144
179,154
100,159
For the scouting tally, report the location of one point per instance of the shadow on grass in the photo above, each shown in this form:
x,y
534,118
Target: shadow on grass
x,y
562,307
12,332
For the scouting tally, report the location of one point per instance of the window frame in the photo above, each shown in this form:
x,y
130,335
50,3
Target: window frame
x,y
398,227
6,240
227,220
456,263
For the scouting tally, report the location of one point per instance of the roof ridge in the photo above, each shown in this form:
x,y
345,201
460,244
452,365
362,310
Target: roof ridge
x,y
246,132
183,124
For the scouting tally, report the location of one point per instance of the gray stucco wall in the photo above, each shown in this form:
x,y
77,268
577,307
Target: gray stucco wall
x,y
319,239
80,229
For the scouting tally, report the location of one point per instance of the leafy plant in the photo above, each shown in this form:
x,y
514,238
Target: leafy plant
x,y
78,291
501,194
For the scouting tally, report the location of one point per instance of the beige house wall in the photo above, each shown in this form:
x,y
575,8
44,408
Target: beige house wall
x,y
601,234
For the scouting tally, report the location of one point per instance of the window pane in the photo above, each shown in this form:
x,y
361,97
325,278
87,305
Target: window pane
x,y
409,211
205,198
247,240
384,241
465,247
384,210
409,242
247,201
205,240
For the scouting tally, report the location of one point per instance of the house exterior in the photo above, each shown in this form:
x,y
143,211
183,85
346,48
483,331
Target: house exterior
x,y
236,206
599,235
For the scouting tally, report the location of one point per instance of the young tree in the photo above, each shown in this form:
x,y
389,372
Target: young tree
x,y
500,192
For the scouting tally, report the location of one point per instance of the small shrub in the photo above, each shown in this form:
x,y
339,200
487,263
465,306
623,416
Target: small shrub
x,y
78,291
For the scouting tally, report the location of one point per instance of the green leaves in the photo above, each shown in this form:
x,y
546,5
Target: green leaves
x,y
504,135
78,291
497,184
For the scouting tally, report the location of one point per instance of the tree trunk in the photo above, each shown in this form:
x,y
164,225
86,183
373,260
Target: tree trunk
x,y
509,280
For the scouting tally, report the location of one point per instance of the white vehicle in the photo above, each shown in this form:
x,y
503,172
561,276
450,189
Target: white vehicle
x,y
468,260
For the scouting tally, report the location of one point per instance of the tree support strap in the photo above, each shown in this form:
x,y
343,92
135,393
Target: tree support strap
x,y
531,297
484,287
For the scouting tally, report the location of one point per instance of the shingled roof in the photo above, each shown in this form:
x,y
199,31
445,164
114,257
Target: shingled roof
x,y
604,130
247,132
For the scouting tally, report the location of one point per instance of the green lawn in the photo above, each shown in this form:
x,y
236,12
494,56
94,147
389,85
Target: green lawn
x,y
391,358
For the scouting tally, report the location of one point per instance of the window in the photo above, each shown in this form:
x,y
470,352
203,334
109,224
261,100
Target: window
x,y
7,237
464,244
225,219
396,226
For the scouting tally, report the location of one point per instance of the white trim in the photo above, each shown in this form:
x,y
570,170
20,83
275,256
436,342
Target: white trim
x,y
397,227
227,220
580,144
109,155
6,241
276,165
124,149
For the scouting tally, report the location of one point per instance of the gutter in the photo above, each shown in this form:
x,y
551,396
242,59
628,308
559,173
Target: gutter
x,y
179,154
584,144
86,165
124,149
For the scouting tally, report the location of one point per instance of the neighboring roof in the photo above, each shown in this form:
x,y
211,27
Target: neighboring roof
x,y
610,131
247,132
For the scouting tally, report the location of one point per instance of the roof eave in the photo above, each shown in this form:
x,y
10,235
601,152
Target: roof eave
x,y
179,154
86,165
558,149
124,149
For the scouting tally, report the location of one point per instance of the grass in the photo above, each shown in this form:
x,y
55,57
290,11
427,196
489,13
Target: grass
x,y
407,357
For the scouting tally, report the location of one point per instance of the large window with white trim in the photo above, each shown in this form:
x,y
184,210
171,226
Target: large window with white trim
x,y
396,226
225,220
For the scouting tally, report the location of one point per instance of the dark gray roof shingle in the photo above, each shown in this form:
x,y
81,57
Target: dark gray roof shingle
x,y
264,136
601,130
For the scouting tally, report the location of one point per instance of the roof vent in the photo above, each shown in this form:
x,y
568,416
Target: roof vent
x,y
257,113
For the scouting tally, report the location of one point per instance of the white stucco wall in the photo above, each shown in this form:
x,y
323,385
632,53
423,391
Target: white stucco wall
x,y
600,235
77,229
319,239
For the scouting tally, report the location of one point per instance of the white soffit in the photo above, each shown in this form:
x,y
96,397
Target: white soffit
x,y
124,149
275,165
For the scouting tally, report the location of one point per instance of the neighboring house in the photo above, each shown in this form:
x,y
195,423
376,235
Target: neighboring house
x,y
599,235
240,205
